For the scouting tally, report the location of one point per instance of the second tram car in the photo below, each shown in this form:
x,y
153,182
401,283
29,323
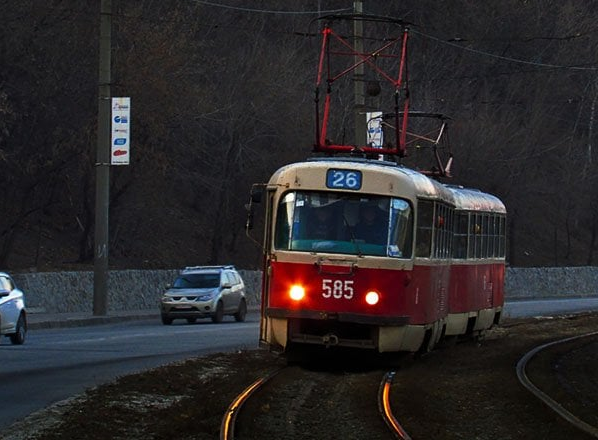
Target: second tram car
x,y
371,254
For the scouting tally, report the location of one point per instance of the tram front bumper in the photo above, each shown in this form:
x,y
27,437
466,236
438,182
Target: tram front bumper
x,y
380,333
356,318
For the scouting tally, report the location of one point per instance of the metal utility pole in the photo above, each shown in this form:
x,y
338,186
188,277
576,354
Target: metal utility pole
x,y
100,280
359,78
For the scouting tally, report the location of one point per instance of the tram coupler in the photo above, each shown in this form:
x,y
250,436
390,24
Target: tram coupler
x,y
330,340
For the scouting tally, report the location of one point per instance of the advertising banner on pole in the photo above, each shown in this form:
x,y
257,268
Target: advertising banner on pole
x,y
121,130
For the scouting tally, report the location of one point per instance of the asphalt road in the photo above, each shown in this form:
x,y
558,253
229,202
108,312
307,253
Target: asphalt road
x,y
55,364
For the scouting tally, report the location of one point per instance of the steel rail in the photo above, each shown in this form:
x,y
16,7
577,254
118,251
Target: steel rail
x,y
386,410
552,404
227,427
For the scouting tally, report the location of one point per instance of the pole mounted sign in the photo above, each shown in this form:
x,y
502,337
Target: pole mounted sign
x,y
121,129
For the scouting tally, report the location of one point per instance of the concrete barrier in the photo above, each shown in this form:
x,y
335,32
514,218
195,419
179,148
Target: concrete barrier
x,y
69,292
551,282
66,292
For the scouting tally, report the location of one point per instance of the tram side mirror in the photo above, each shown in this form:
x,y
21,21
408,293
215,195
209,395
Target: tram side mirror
x,y
256,194
256,197
249,222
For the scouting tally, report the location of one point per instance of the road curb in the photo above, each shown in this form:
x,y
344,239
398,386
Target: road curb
x,y
37,321
62,322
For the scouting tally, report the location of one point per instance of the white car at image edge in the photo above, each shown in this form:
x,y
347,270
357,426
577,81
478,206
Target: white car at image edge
x,y
13,316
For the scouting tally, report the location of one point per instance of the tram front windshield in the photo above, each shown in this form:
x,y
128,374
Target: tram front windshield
x,y
344,223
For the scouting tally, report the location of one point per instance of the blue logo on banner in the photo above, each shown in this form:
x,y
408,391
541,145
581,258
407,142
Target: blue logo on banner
x,y
121,119
120,141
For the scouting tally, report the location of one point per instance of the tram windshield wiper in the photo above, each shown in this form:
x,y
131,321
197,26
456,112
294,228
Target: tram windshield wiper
x,y
352,234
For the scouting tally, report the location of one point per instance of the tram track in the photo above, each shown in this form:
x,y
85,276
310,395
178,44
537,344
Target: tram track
x,y
299,417
551,403
227,427
386,410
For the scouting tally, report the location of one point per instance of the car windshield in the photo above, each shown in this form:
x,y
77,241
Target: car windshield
x,y
359,224
197,281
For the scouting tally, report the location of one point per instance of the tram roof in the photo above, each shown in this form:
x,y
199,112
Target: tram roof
x,y
468,199
423,186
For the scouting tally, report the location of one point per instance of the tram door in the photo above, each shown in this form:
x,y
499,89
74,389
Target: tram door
x,y
266,256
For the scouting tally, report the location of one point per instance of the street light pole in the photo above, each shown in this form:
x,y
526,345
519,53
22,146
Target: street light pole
x,y
100,280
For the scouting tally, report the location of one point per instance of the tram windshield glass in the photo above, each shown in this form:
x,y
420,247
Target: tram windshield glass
x,y
344,223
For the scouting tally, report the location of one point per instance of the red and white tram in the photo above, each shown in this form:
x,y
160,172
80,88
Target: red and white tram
x,y
370,254
432,263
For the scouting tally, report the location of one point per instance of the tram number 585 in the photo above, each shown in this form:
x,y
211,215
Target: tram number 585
x,y
337,289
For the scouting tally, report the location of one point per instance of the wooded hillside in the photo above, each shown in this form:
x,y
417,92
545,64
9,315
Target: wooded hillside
x,y
222,95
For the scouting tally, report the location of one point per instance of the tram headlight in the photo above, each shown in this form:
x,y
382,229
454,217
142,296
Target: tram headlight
x,y
372,297
297,293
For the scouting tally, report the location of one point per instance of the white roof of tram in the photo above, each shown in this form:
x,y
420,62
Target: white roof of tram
x,y
422,186
467,199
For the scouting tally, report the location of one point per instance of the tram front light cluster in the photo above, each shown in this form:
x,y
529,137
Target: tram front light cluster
x,y
297,292
372,297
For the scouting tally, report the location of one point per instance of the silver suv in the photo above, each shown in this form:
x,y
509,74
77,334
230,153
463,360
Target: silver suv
x,y
13,317
205,292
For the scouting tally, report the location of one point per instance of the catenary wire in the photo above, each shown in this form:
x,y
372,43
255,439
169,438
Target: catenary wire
x,y
265,11
501,57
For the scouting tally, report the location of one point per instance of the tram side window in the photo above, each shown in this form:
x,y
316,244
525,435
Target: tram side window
x,y
480,241
438,227
486,235
495,236
451,230
284,214
471,237
446,232
481,249
401,227
461,235
489,236
425,216
502,237
440,231
480,238
475,241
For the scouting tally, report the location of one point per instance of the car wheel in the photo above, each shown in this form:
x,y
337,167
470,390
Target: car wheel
x,y
219,313
242,312
191,320
18,337
166,320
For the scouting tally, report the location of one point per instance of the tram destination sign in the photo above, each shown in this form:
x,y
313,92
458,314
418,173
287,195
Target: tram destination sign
x,y
343,179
